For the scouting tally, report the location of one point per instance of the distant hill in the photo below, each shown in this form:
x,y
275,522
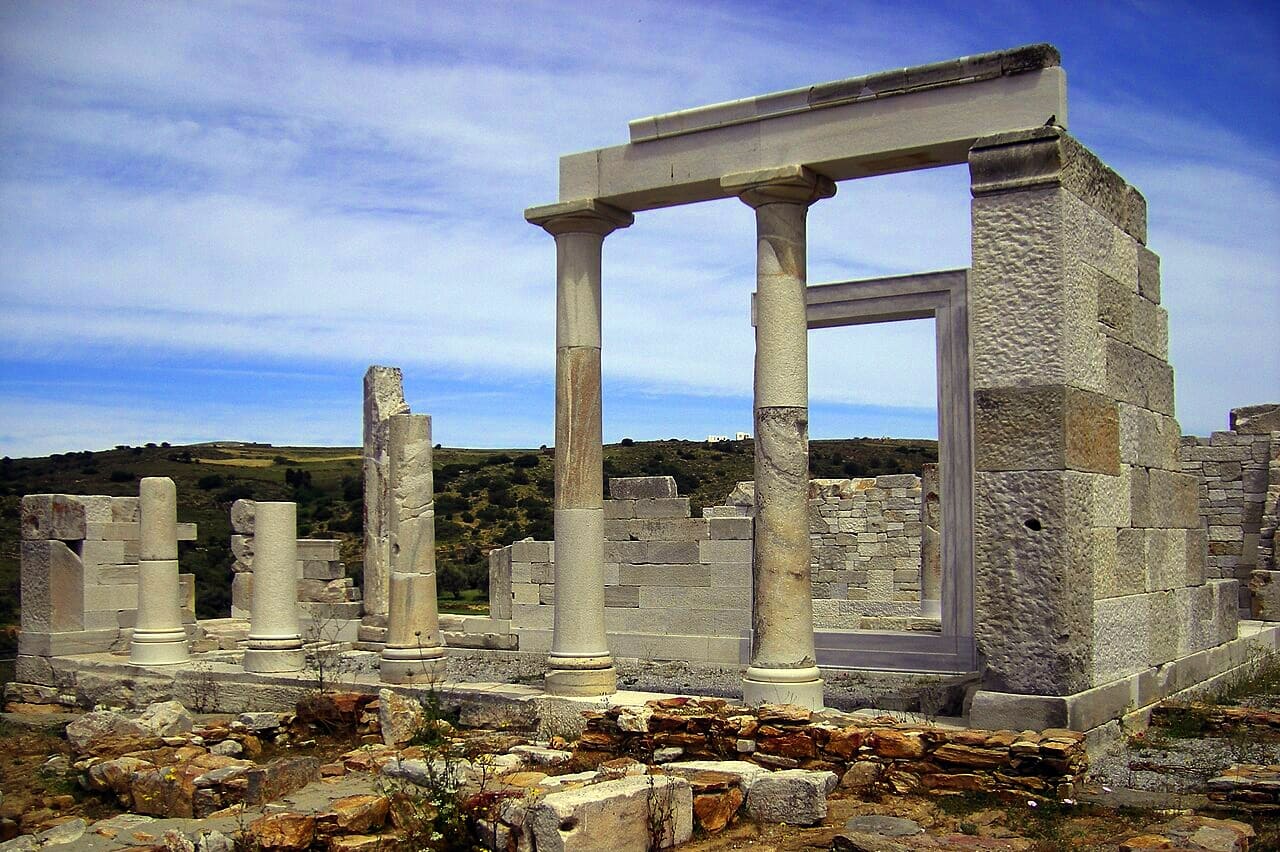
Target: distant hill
x,y
484,498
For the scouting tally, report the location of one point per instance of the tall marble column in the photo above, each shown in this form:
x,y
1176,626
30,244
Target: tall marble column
x,y
579,662
158,636
414,652
275,637
930,542
783,666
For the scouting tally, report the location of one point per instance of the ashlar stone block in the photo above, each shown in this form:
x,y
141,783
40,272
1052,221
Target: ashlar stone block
x,y
1039,312
52,586
59,517
1034,585
1045,428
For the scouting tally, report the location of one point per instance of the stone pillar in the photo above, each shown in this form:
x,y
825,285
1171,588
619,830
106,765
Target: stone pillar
x,y
275,637
158,636
783,667
579,662
930,542
383,397
414,652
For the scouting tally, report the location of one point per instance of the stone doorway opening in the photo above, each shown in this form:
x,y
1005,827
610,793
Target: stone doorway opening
x,y
942,298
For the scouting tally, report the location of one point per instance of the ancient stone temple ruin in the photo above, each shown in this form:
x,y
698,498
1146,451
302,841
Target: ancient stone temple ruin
x,y
1070,560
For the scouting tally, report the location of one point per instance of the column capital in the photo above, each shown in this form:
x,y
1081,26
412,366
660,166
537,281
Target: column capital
x,y
583,216
783,185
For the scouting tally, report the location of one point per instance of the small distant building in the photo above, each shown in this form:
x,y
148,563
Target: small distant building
x,y
742,436
717,439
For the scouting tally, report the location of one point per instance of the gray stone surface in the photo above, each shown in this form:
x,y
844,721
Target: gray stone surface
x,y
790,796
625,815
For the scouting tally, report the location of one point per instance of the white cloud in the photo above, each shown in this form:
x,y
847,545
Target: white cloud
x,y
297,183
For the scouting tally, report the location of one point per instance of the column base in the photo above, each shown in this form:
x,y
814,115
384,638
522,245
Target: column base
x,y
272,660
412,665
573,683
931,608
802,687
159,648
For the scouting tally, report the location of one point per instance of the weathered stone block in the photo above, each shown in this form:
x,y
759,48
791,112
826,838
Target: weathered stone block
x,y
1115,304
1257,420
1150,328
1119,562
1039,316
1166,559
1049,157
1134,376
1149,274
1121,637
668,529
1264,601
731,528
728,550
59,517
641,487
52,586
1148,439
1034,587
500,582
651,552
632,814
1173,501
662,507
790,796
1045,428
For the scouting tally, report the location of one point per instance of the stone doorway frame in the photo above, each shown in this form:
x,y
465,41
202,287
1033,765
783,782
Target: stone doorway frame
x,y
942,297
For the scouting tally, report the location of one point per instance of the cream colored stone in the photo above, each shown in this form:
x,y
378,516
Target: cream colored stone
x,y
158,635
275,636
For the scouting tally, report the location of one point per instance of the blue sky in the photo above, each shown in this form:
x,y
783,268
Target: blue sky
x,y
214,216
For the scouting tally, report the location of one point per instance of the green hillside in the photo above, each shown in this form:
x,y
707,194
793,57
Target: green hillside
x,y
484,498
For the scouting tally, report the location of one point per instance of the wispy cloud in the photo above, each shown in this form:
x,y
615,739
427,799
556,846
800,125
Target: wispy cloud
x,y
310,188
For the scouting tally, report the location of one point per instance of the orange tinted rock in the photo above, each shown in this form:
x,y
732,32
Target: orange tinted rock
x,y
284,831
844,742
714,811
353,815
897,744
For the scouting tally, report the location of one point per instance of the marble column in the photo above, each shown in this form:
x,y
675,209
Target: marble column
x,y
383,398
275,637
579,662
414,652
930,542
783,666
158,636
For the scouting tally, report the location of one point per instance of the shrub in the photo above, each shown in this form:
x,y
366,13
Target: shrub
x,y
210,482
526,460
122,476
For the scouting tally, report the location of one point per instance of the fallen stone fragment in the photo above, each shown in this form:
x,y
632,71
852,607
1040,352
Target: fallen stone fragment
x,y
68,832
100,725
400,718
358,814
541,756
263,720
790,796
279,778
715,810
166,719
627,815
854,841
284,831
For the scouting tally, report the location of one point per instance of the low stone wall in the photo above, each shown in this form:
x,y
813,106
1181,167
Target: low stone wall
x,y
865,752
1239,475
79,574
679,587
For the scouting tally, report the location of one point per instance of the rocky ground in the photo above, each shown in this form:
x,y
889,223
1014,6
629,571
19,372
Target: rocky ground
x,y
357,772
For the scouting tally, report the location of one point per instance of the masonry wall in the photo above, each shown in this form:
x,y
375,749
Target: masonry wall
x,y
679,587
1238,472
1089,556
79,574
